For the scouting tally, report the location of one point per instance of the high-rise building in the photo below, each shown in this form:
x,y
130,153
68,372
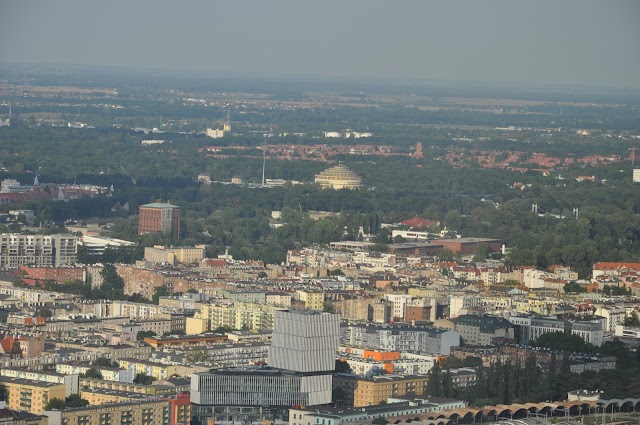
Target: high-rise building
x,y
301,362
636,175
305,341
159,217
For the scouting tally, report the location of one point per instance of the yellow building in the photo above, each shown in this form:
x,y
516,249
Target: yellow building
x,y
422,292
99,396
29,395
196,325
137,412
174,255
338,177
91,383
313,300
236,315
362,392
153,369
17,417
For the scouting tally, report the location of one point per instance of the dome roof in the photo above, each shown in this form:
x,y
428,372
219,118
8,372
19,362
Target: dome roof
x,y
339,177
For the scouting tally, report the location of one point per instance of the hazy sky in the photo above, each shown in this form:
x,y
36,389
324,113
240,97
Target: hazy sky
x,y
536,41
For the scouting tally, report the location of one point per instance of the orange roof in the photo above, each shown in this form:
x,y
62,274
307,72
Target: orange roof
x,y
419,222
615,266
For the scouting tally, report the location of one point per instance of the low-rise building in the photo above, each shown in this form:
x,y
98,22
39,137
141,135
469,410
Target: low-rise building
x,y
100,396
152,412
174,255
482,329
108,373
360,392
153,369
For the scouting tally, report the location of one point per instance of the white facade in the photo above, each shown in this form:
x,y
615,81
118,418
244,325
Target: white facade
x,y
534,278
37,250
458,304
398,304
421,340
591,332
627,331
636,175
108,374
304,341
97,244
613,316
412,235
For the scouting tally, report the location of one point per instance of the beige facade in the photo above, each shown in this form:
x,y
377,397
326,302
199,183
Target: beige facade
x,y
313,300
196,325
156,370
29,395
377,390
381,312
145,413
99,396
238,315
174,255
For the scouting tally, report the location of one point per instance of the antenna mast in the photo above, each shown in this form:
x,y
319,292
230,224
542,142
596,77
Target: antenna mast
x,y
264,159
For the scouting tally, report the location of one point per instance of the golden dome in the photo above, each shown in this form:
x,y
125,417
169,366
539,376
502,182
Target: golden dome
x,y
338,177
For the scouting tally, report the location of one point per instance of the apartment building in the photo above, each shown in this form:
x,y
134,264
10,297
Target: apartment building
x,y
313,300
100,396
151,412
530,328
419,339
37,250
108,373
236,315
31,395
174,255
156,370
482,330
70,381
361,392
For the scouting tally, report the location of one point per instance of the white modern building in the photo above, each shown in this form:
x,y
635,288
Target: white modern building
x,y
613,315
301,362
417,339
38,250
96,245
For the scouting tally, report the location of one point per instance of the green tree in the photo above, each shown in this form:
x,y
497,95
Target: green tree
x,y
93,373
141,335
143,379
160,291
482,250
342,367
74,400
631,320
198,356
55,404
380,420
104,362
